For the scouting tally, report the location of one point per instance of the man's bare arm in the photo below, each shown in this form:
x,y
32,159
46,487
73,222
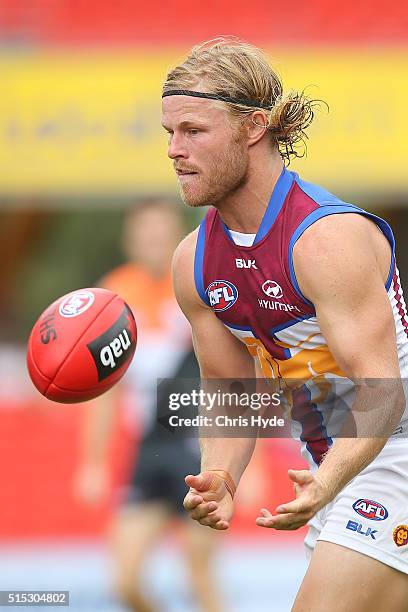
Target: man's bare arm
x,y
355,316
220,356
341,264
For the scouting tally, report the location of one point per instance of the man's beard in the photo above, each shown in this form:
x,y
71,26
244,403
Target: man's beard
x,y
225,176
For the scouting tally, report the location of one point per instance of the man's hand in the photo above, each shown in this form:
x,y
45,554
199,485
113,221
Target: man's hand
x,y
311,495
208,500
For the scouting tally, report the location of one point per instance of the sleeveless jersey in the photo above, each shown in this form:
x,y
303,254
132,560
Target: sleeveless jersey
x,y
254,292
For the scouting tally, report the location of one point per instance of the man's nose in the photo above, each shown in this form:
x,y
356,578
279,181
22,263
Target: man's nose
x,y
176,147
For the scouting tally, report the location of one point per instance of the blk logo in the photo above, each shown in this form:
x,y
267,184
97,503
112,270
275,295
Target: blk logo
x,y
246,263
272,289
222,295
358,528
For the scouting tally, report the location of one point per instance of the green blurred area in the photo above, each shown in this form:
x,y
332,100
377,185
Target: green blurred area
x,y
47,253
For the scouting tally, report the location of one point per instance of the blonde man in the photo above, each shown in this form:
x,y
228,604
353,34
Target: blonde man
x,y
283,271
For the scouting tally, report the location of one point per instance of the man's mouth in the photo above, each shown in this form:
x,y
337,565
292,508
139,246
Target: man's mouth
x,y
181,172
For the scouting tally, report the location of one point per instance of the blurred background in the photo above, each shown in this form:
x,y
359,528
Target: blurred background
x,y
80,145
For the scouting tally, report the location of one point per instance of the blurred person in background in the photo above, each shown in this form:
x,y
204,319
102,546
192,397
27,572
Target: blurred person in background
x,y
154,495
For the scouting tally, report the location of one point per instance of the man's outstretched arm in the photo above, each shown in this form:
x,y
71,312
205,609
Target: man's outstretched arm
x,y
220,356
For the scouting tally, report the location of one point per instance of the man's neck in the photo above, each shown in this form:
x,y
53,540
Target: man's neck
x,y
244,209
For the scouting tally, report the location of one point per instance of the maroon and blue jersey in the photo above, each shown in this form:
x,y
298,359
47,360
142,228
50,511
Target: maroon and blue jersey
x,y
253,290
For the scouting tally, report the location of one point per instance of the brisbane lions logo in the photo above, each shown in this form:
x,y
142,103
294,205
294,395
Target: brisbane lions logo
x,y
222,295
400,535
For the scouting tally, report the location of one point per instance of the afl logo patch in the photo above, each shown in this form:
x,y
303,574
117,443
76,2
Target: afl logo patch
x,y
400,535
222,295
370,509
76,303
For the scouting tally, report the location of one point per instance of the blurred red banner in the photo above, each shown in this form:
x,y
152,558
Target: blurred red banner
x,y
181,22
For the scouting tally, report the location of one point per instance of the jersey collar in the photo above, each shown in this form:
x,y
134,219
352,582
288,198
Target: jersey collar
x,y
277,199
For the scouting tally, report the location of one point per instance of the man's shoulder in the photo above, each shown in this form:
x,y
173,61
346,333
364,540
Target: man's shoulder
x,y
185,252
184,274
320,195
332,223
340,250
336,230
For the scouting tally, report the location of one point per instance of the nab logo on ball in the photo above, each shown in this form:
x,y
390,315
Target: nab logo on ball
x,y
370,509
114,347
222,295
76,303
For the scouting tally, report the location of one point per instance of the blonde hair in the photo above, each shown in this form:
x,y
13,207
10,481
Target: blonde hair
x,y
228,67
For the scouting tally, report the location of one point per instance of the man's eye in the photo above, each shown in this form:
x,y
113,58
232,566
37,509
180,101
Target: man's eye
x,y
193,131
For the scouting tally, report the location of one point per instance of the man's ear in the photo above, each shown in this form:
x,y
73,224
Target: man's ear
x,y
256,125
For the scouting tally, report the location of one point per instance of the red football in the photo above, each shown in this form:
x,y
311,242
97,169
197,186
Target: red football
x,y
81,345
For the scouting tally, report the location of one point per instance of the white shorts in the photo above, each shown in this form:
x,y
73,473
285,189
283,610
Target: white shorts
x,y
370,515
